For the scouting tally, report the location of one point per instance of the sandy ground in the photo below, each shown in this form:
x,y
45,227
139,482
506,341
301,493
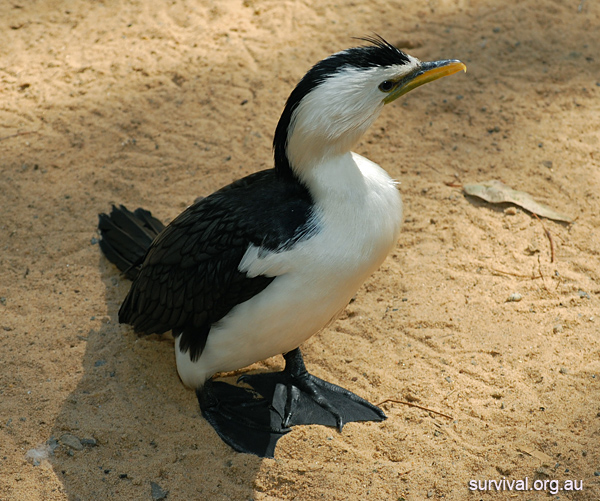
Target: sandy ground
x,y
112,101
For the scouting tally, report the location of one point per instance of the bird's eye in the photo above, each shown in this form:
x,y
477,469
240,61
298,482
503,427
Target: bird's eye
x,y
387,85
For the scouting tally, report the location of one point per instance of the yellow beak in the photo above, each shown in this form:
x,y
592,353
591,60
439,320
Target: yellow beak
x,y
427,72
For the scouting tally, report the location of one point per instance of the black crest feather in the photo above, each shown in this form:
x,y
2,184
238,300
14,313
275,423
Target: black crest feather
x,y
380,52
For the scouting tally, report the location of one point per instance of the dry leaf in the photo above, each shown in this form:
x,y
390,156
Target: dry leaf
x,y
497,192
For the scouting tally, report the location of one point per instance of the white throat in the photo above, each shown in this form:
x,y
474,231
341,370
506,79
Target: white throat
x,y
330,120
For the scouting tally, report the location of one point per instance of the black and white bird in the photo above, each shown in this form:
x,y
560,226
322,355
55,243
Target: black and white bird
x,y
258,267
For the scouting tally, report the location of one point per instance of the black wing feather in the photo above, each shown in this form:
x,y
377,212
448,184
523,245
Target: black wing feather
x,y
126,237
189,278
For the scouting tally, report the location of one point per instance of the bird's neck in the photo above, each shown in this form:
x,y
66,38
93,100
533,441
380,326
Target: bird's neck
x,y
332,178
323,161
306,151
315,133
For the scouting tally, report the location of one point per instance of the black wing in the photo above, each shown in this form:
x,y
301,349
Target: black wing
x,y
190,279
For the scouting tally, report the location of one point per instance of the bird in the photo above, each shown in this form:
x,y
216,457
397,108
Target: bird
x,y
261,265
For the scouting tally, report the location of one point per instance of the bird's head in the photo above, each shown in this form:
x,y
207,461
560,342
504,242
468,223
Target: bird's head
x,y
340,97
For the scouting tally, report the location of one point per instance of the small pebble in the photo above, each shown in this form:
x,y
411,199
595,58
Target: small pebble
x,y
510,211
514,297
71,441
99,363
542,472
557,329
597,474
89,442
563,370
583,294
157,492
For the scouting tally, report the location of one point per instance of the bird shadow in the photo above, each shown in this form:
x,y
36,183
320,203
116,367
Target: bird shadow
x,y
130,429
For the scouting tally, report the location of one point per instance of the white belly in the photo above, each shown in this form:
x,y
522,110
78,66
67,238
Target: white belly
x,y
314,280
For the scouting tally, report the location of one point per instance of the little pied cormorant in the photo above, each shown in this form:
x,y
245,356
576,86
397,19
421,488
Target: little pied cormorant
x,y
261,265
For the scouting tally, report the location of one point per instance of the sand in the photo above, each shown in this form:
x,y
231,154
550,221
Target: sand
x,y
152,104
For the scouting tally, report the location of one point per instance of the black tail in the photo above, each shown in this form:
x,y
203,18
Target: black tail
x,y
126,236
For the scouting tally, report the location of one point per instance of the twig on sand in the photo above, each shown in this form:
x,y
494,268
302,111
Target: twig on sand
x,y
410,404
18,134
549,238
532,277
541,275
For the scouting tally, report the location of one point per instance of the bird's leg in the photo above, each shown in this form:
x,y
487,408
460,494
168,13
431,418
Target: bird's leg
x,y
302,380
298,397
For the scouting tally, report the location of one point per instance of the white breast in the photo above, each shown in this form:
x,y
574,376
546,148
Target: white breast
x,y
358,215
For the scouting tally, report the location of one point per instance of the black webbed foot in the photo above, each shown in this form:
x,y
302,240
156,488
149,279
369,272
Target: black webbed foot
x,y
243,421
301,398
290,397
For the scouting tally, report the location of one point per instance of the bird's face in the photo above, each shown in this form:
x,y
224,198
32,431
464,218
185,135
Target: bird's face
x,y
398,85
341,96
